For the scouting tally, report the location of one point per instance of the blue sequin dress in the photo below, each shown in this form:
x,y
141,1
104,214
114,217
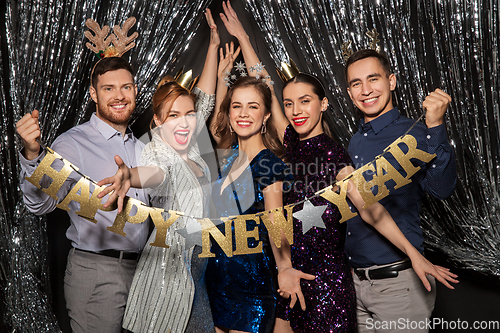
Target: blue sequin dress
x,y
242,288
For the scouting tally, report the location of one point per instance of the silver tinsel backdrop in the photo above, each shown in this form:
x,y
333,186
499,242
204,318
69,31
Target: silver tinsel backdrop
x,y
451,44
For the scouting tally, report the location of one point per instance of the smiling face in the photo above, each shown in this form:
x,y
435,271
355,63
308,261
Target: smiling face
x,y
247,113
114,96
179,123
304,109
370,87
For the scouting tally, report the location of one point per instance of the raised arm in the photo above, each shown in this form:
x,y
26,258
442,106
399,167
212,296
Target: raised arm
x,y
377,216
208,76
441,175
37,201
225,65
235,28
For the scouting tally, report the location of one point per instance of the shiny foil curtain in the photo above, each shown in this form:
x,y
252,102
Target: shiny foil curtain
x,y
450,44
49,69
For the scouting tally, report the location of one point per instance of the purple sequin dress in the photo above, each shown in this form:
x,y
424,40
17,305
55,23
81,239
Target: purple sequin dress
x,y
330,298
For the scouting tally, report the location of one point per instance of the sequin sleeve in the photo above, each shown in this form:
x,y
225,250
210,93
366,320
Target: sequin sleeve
x,y
271,169
337,158
204,106
291,138
154,155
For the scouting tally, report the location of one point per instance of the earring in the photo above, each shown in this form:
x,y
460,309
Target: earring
x,y
263,128
231,129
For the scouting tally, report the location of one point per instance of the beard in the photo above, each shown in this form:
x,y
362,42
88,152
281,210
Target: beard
x,y
113,116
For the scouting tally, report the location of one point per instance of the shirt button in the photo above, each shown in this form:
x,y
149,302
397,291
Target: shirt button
x,y
434,166
366,134
428,137
349,258
356,156
348,233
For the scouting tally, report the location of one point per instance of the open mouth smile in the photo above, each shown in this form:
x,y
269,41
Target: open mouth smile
x,y
244,124
370,101
181,136
120,106
299,121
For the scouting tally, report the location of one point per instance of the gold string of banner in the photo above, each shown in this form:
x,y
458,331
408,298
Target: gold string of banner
x,y
336,193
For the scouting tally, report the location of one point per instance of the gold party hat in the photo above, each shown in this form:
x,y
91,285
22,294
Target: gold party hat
x,y
186,79
287,71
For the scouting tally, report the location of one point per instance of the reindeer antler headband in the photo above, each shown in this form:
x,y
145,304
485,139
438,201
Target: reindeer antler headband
x,y
372,34
121,42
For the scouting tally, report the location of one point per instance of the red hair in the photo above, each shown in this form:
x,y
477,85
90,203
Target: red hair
x,y
165,95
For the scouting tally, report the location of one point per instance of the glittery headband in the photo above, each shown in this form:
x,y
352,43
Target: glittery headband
x,y
101,40
372,34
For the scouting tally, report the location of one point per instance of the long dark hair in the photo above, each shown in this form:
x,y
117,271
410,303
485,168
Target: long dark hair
x,y
222,130
317,88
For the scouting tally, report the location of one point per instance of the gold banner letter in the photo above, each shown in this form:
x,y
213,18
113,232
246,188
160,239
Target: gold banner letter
x,y
225,241
140,216
89,211
45,168
162,225
339,199
404,159
242,234
83,198
384,172
280,223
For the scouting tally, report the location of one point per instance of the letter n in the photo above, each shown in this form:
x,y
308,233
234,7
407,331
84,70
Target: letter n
x,y
225,240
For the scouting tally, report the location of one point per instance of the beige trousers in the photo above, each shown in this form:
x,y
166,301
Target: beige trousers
x,y
400,304
96,289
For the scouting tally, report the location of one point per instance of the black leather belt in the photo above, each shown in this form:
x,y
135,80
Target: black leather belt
x,y
383,272
113,254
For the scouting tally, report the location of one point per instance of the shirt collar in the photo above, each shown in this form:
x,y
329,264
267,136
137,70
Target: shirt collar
x,y
380,122
107,131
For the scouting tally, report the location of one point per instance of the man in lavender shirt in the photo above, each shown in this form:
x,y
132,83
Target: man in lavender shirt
x,y
101,264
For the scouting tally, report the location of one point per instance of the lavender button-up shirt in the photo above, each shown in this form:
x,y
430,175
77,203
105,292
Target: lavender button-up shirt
x,y
91,147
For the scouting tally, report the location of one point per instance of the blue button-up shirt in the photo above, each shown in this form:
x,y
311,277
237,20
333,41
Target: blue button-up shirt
x,y
364,245
91,147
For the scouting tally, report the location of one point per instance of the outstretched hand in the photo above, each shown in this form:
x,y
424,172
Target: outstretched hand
x,y
214,32
120,184
423,267
231,21
289,285
226,61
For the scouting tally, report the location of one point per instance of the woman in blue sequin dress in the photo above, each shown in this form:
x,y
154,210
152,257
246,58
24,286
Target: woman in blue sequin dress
x,y
242,288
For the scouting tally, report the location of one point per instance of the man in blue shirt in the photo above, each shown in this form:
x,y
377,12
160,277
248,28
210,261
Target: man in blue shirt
x,y
390,296
101,264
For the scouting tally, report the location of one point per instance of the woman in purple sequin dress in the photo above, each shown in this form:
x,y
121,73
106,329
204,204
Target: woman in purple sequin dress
x,y
315,161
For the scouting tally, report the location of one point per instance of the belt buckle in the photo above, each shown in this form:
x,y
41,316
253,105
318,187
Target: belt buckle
x,y
361,273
